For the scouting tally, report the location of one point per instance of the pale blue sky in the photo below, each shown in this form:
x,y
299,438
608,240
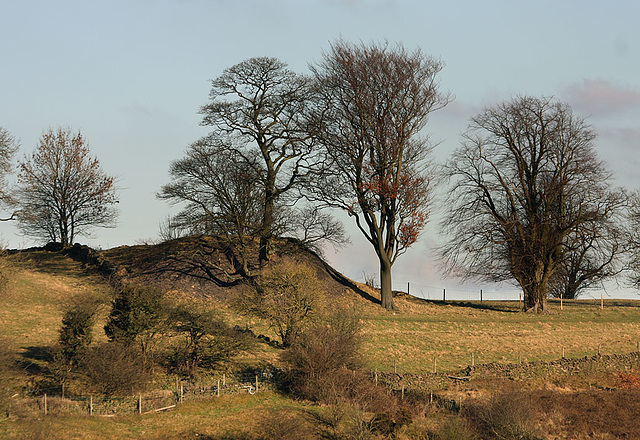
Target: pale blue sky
x,y
131,74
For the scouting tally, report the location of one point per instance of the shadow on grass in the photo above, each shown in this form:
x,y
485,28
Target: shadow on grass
x,y
34,359
505,306
51,263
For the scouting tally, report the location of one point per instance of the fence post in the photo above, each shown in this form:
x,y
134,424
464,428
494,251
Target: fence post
x,y
45,404
473,359
62,385
224,379
435,365
218,387
91,405
395,366
561,305
444,294
402,394
601,300
480,295
181,392
139,403
376,376
407,287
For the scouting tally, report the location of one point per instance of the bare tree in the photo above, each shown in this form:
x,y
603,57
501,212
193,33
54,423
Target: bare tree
x,y
260,108
633,264
526,187
375,101
595,250
8,148
62,191
222,196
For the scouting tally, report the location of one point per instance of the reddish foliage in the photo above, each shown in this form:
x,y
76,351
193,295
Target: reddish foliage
x,y
629,380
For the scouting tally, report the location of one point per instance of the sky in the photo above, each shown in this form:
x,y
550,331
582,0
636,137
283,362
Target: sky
x,y
132,75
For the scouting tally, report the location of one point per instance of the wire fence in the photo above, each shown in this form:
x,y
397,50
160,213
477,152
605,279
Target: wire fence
x,y
54,400
435,293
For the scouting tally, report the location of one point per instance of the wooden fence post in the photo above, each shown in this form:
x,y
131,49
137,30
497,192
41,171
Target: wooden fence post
x,y
139,403
218,387
444,295
45,404
91,405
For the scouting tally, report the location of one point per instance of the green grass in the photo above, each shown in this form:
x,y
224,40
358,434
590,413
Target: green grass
x,y
495,332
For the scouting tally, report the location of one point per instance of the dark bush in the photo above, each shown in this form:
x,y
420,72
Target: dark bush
x,y
207,343
138,314
76,333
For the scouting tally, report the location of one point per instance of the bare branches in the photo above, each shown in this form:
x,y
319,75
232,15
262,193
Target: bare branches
x,y
375,100
526,183
62,191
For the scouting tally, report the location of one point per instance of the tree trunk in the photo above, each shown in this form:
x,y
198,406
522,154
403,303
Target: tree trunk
x,y
386,292
535,298
266,231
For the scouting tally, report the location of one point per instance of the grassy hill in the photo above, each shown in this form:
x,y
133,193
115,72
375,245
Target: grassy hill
x,y
507,347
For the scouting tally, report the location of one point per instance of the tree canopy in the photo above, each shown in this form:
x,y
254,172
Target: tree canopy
x,y
374,101
62,191
526,184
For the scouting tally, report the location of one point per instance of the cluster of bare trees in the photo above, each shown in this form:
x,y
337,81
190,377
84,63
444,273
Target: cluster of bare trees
x,y
528,198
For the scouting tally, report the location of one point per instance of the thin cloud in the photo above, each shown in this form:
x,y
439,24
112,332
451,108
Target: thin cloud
x,y
602,98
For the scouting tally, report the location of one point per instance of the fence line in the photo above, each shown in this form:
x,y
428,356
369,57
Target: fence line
x,y
54,400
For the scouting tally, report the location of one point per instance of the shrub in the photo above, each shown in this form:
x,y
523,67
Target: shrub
x,y
138,314
207,342
115,369
284,295
76,333
283,425
508,416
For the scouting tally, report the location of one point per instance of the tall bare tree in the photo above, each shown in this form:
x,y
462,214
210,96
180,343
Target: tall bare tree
x,y
260,108
62,190
375,101
526,187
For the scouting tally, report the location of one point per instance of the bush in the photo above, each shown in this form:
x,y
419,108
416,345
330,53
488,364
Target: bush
x,y
76,333
283,425
138,314
284,295
115,369
208,343
508,416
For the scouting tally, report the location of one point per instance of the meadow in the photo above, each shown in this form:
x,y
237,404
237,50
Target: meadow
x,y
418,338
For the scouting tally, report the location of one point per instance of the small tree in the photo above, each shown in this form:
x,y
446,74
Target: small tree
x,y
138,315
8,148
62,191
285,295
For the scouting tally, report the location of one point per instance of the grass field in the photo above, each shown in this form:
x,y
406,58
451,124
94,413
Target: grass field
x,y
36,287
